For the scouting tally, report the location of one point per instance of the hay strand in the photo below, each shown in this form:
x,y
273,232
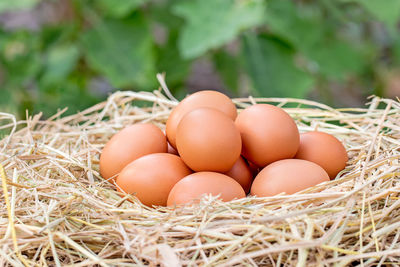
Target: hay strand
x,y
58,211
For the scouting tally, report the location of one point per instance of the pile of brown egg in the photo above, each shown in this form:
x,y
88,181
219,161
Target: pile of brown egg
x,y
210,149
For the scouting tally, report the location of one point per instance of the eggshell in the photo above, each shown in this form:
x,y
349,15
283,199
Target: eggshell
x,y
151,177
241,173
268,134
207,140
323,149
207,98
194,186
289,176
129,144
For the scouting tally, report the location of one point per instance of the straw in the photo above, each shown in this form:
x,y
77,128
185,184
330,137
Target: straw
x,y
58,211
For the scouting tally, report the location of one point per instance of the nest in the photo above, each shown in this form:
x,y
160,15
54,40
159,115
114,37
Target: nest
x,y
56,209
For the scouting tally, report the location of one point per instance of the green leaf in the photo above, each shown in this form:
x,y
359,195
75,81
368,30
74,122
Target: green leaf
x,y
228,66
306,29
5,98
337,59
213,23
20,57
387,11
61,34
119,8
170,61
270,65
61,60
396,51
122,51
161,12
302,27
12,5
71,93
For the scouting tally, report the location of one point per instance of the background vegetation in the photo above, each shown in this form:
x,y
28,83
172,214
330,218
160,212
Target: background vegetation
x,y
73,53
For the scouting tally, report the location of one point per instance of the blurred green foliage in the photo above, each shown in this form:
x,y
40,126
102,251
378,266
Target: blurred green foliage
x,y
282,48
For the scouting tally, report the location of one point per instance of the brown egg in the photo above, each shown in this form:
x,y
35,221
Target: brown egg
x,y
207,140
151,177
129,144
172,150
268,134
211,99
323,149
289,176
241,173
194,186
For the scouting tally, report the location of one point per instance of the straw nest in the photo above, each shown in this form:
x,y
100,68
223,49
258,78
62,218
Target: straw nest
x,y
56,210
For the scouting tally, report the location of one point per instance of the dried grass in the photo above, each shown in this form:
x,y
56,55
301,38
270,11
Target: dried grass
x,y
58,211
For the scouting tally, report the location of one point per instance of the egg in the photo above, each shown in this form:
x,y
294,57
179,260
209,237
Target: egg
x,y
151,177
207,98
323,149
268,134
129,144
207,140
289,176
194,186
242,174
